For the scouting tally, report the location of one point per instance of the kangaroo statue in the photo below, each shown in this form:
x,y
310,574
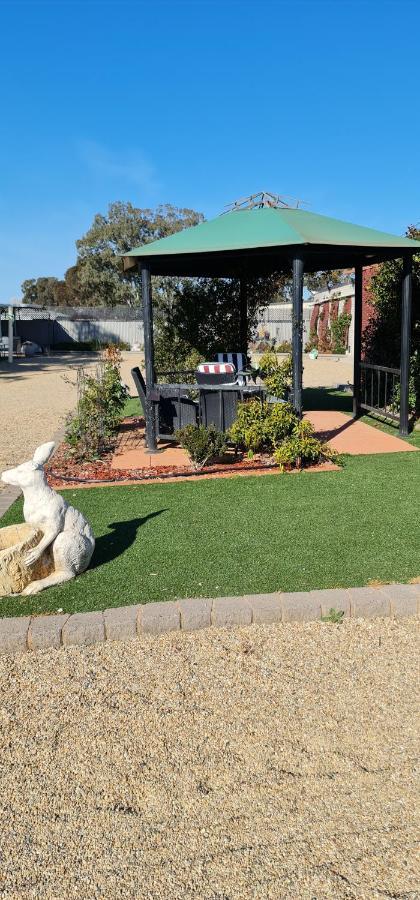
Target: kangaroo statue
x,y
66,532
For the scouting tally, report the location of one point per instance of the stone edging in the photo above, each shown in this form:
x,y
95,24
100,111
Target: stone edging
x,y
129,622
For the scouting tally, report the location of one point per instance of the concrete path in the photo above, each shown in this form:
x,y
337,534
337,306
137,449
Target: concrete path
x,y
347,435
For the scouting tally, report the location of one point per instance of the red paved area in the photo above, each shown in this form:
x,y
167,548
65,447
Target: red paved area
x,y
351,436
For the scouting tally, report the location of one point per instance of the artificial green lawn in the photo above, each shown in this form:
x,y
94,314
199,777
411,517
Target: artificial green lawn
x,y
237,535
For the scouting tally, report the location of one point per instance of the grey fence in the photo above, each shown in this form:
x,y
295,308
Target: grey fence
x,y
54,327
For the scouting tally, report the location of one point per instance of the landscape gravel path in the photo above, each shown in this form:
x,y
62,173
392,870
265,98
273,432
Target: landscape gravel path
x,y
36,395
259,763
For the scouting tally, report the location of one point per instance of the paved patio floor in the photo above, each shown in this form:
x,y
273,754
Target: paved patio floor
x,y
336,428
351,436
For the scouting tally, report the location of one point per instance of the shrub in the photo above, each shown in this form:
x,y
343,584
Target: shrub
x,y
277,376
262,426
302,447
202,443
284,347
99,412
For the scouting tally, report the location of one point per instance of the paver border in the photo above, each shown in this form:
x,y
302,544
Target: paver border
x,y
29,633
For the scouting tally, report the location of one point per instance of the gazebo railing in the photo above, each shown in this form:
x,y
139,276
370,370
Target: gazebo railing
x,y
380,390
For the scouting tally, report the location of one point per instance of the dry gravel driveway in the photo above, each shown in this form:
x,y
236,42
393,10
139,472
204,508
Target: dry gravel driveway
x,y
267,762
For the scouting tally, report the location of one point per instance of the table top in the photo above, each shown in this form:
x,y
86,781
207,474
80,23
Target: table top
x,y
239,388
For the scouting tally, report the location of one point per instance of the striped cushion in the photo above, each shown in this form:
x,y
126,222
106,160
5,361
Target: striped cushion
x,y
239,360
217,368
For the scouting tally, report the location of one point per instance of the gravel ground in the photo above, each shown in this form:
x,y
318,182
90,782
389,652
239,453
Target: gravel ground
x,y
266,763
35,397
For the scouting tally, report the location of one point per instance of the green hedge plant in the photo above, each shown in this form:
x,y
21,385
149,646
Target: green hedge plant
x,y
202,443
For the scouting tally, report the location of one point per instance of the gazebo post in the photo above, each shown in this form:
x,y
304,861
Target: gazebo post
x,y
405,342
243,316
357,340
149,354
297,332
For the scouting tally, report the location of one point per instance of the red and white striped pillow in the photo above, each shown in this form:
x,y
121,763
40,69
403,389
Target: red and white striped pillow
x,y
216,368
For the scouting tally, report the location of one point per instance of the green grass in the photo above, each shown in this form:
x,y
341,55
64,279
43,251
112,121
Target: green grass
x,y
238,535
132,407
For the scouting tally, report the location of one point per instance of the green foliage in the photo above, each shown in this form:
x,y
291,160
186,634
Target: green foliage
x,y
202,314
202,443
99,411
97,278
284,347
381,338
262,426
302,447
324,281
277,376
335,616
339,327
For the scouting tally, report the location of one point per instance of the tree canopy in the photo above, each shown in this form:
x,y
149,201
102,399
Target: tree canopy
x,y
97,278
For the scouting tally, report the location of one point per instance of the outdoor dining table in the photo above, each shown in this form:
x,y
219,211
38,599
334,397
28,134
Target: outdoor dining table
x,y
227,395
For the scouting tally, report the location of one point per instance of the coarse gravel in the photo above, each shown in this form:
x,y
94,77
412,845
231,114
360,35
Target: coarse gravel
x,y
36,396
264,762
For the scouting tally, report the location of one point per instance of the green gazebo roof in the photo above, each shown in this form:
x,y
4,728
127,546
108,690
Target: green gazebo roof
x,y
261,240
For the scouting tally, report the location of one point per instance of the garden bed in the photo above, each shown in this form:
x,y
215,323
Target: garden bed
x,y
64,471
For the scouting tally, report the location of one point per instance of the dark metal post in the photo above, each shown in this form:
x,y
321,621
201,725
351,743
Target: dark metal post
x,y
243,316
149,354
297,333
405,342
357,342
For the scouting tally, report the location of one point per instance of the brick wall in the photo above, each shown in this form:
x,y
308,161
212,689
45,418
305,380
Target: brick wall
x,y
368,309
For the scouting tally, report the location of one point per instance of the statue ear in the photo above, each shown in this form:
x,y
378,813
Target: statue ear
x,y
43,453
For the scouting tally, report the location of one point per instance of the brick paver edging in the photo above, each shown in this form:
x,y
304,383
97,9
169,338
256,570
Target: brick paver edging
x,y
129,622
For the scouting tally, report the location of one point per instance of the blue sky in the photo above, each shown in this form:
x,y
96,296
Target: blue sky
x,y
196,104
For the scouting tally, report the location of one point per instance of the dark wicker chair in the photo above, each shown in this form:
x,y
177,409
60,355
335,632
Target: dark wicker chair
x,y
172,411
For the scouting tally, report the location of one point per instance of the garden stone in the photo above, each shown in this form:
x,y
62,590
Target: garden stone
x,y
228,611
300,606
405,598
368,602
157,618
45,631
83,629
121,623
14,634
266,608
334,598
195,613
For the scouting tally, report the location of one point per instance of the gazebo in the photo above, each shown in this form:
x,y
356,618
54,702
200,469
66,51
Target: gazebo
x,y
263,235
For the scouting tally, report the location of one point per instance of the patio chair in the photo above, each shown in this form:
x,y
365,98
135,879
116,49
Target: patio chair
x,y
171,409
241,363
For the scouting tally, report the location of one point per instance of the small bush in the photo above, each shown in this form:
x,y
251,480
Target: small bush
x,y
261,426
202,443
303,447
284,347
277,376
99,411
